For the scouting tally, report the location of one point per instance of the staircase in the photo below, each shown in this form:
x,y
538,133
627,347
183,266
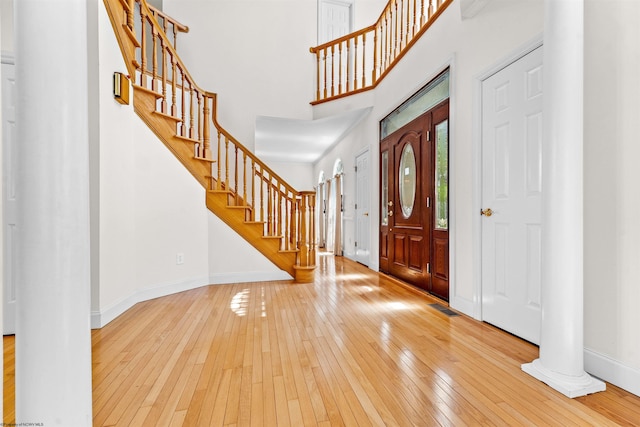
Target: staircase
x,y
245,193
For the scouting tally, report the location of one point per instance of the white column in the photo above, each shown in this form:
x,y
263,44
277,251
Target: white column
x,y
561,364
1,240
53,337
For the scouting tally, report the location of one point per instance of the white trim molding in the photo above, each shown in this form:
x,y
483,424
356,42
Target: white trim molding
x,y
102,317
612,371
512,57
251,276
8,57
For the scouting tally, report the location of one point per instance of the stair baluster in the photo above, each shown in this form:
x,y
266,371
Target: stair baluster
x,y
184,127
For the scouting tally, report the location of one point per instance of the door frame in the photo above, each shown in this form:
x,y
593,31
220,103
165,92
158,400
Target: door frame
x,y
461,304
5,58
474,307
347,3
359,153
450,63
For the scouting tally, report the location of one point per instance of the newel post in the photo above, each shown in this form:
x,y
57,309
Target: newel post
x,y
312,228
304,245
307,253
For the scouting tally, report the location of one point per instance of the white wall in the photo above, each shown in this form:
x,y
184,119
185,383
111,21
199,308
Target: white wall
x,y
2,25
367,12
147,208
612,199
233,260
347,150
253,53
470,47
6,31
298,175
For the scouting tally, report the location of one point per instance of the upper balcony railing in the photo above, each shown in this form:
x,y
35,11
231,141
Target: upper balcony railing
x,y
359,61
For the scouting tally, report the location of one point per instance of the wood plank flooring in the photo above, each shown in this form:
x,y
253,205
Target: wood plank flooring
x,y
354,348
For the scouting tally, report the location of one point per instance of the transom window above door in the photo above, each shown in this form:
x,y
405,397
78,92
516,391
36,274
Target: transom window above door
x,y
426,98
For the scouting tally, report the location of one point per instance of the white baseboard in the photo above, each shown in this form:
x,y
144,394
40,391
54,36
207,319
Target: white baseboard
x,y
464,306
101,318
250,276
612,371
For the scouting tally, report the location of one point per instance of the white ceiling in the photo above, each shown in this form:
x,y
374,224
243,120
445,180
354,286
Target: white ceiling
x,y
292,140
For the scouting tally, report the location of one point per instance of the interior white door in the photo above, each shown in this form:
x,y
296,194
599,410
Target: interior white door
x,y
511,196
363,231
9,195
335,20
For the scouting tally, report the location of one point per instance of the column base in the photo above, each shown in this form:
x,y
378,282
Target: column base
x,y
568,385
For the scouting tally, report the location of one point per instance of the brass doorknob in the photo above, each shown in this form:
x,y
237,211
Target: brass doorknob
x,y
390,203
390,213
486,212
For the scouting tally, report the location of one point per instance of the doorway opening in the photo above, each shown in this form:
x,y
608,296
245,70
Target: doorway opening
x,y
335,19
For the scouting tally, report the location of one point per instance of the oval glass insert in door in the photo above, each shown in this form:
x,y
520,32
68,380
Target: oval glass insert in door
x,y
407,180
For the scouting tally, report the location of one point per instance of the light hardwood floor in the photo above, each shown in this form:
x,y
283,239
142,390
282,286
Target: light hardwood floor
x,y
353,348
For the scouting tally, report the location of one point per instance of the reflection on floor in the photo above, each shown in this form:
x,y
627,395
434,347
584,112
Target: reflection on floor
x,y
352,348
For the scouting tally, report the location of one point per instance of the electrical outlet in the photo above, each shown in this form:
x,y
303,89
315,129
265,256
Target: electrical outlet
x,y
179,258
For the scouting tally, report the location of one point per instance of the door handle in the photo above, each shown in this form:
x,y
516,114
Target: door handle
x,y
390,213
486,212
366,214
390,203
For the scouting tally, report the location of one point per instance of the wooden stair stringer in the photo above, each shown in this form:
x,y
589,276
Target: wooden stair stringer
x,y
165,129
253,233
126,39
217,202
144,103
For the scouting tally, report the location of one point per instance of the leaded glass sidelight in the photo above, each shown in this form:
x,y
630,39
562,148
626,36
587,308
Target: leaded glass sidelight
x,y
407,180
384,197
442,176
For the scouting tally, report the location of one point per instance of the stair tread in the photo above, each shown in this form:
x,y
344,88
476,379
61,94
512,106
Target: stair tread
x,y
204,159
164,125
150,92
227,192
160,113
187,139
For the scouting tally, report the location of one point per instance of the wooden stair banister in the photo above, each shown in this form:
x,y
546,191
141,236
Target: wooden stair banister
x,y
167,23
358,61
241,189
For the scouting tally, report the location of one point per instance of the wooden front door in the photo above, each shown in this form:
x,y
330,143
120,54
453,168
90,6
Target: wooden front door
x,y
413,246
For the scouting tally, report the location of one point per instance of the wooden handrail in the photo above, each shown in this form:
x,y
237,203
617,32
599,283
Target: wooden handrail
x,y
342,39
159,14
252,156
232,169
358,61
168,22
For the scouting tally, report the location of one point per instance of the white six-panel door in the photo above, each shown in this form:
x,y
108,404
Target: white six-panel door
x,y
511,196
363,210
335,19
